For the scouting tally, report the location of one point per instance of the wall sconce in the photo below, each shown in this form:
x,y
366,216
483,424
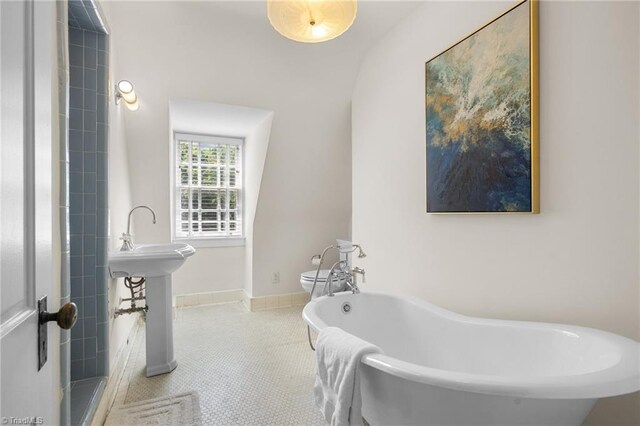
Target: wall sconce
x,y
125,92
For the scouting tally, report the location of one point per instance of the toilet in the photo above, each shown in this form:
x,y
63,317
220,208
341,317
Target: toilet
x,y
306,280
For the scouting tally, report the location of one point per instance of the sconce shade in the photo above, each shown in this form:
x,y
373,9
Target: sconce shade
x,y
311,21
124,91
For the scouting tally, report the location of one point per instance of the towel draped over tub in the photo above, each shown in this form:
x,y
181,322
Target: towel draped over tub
x,y
337,386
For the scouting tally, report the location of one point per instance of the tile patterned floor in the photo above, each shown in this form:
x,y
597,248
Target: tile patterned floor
x,y
248,368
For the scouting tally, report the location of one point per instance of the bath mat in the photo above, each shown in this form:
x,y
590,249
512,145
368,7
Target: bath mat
x,y
174,410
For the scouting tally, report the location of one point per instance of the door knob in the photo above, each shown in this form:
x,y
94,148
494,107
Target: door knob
x,y
66,317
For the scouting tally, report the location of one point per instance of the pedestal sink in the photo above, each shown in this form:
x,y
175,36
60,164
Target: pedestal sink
x,y
155,263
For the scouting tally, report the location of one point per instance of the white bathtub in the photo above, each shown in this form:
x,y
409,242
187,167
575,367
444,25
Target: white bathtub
x,y
441,368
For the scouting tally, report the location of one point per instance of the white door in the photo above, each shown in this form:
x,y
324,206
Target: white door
x,y
27,40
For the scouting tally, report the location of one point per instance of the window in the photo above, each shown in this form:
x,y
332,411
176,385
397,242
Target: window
x,y
208,188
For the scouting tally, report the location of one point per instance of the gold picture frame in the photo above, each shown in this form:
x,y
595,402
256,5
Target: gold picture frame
x,y
471,154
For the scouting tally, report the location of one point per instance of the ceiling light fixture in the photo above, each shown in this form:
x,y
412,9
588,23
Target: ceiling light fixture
x,y
311,21
125,92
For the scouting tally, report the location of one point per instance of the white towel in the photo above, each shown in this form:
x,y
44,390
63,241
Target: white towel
x,y
337,387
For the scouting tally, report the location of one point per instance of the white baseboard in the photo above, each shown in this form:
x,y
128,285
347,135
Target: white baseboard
x,y
276,301
208,298
252,304
116,372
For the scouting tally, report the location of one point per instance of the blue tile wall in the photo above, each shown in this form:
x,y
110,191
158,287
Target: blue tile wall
x,y
88,192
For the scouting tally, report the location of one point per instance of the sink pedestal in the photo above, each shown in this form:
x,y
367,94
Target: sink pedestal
x,y
159,326
156,263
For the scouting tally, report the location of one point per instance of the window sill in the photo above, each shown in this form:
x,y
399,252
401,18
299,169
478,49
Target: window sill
x,y
212,242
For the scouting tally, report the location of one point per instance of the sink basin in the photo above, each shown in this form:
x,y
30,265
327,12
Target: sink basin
x,y
149,260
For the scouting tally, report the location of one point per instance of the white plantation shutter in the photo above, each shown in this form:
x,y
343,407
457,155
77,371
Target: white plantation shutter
x,y
208,193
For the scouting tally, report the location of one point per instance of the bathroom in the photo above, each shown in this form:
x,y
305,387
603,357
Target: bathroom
x,y
259,151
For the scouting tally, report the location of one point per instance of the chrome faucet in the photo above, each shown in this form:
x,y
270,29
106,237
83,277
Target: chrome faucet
x,y
127,241
354,282
344,269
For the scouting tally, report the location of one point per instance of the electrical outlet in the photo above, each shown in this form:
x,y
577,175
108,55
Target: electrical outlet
x,y
275,279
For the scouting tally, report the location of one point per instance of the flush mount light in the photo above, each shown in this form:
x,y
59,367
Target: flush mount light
x,y
311,21
125,92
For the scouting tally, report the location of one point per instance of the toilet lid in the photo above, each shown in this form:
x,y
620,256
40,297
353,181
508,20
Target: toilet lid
x,y
310,275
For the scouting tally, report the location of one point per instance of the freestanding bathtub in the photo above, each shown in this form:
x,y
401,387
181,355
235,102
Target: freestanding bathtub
x,y
442,368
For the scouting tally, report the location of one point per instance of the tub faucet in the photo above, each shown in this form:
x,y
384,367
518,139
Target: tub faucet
x,y
127,241
344,267
353,282
342,274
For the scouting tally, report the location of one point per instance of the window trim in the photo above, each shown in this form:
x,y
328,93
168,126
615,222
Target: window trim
x,y
206,241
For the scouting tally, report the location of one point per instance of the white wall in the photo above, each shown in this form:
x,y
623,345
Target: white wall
x,y
576,262
224,268
210,54
119,187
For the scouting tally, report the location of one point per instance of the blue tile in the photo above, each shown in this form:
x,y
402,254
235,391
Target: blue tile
x,y
105,41
90,79
90,327
90,206
77,370
101,108
75,263
90,367
103,195
76,222
101,248
101,166
90,347
76,160
75,140
90,121
90,185
89,267
103,364
102,216
76,37
91,39
75,97
89,245
89,162
102,278
89,286
76,54
102,84
90,141
76,184
90,58
76,77
77,332
89,225
77,349
76,204
89,304
77,286
102,79
103,336
102,41
89,100
102,137
75,119
102,309
103,57
76,244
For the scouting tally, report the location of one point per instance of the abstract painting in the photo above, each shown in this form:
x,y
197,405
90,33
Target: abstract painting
x,y
481,119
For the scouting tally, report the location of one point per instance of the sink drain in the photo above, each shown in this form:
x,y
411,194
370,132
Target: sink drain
x,y
346,307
